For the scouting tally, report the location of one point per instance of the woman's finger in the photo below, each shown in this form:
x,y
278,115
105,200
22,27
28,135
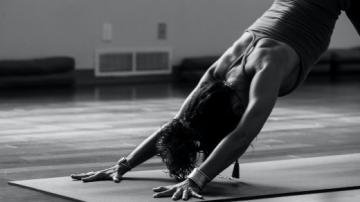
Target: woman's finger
x,y
96,177
81,175
159,189
168,192
196,195
176,196
185,195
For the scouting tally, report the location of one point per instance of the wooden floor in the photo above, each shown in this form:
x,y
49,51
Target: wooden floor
x,y
56,132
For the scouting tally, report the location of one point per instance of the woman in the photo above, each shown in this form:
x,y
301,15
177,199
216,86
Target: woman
x,y
234,98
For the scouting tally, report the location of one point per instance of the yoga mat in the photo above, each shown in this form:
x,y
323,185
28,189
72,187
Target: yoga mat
x,y
336,196
257,180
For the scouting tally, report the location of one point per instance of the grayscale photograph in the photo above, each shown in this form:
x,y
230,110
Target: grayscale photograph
x,y
179,100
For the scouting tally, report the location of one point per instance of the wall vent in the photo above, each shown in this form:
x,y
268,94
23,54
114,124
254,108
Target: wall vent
x,y
132,61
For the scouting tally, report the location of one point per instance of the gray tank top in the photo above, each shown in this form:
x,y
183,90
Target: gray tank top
x,y
305,25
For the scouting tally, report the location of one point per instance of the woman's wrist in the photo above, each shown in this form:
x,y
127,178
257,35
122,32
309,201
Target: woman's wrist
x,y
124,165
199,178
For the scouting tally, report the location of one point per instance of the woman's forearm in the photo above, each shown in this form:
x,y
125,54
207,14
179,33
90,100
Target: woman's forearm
x,y
230,148
145,150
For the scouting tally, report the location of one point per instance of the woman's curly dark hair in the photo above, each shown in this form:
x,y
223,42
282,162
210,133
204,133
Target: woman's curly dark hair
x,y
205,121
178,149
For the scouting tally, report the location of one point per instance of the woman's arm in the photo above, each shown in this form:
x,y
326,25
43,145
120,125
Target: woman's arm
x,y
141,153
263,93
147,148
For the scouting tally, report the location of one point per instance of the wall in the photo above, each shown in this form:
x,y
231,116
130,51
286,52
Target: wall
x,y
35,28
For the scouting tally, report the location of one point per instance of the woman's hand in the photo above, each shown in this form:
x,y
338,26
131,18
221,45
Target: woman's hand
x,y
183,190
113,173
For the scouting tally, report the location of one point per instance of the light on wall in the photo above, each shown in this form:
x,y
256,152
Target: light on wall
x,y
162,31
107,32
